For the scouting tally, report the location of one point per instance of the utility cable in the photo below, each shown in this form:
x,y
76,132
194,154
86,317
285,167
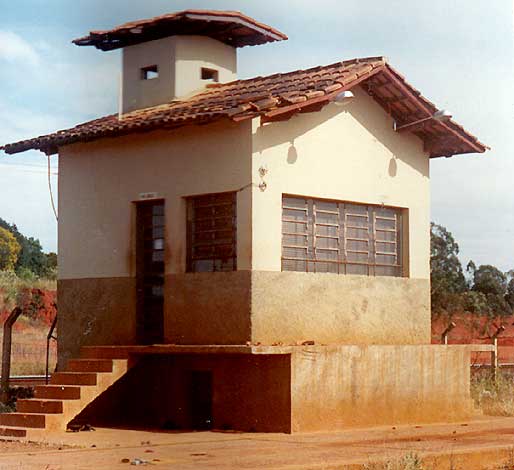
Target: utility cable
x,y
50,189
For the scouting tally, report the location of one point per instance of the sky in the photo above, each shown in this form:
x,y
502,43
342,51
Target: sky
x,y
458,53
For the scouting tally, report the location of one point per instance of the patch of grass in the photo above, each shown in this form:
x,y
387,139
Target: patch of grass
x,y
14,394
7,407
11,285
407,462
508,464
495,397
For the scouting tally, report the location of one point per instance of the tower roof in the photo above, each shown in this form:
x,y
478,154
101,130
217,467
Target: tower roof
x,y
230,27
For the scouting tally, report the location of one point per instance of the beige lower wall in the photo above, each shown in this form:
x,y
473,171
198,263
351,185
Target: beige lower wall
x,y
208,308
95,312
287,307
241,306
342,386
329,308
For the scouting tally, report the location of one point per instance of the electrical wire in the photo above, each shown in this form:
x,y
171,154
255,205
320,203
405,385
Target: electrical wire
x,y
50,189
37,169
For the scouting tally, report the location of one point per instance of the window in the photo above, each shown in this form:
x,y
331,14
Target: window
x,y
339,237
209,74
211,233
150,73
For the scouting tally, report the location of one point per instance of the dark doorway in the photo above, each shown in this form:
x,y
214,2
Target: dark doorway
x,y
150,271
201,399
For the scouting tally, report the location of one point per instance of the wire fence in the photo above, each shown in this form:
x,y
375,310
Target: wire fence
x,y
28,353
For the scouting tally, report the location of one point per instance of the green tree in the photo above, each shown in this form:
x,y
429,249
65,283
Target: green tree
x,y
493,285
31,256
446,274
9,250
51,260
51,265
489,280
509,297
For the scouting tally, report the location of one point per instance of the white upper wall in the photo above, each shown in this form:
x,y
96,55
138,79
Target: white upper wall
x,y
98,182
179,61
348,154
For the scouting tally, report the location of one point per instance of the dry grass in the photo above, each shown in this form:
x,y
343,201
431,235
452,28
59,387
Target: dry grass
x,y
495,397
414,462
11,285
407,462
28,355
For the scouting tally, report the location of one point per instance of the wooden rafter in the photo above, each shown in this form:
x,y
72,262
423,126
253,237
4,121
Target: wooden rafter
x,y
286,112
414,126
427,111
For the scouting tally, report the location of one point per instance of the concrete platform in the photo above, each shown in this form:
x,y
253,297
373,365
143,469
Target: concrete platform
x,y
285,388
125,351
478,444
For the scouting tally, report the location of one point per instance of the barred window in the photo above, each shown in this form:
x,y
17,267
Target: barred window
x,y
211,233
339,237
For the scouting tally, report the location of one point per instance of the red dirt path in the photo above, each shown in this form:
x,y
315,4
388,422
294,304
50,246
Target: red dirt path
x,y
475,445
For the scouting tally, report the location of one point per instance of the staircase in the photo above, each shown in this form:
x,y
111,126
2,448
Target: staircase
x,y
68,393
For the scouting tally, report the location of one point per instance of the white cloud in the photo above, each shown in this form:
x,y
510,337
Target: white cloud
x,y
13,48
17,123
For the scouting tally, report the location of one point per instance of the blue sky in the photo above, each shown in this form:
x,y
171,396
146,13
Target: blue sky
x,y
459,53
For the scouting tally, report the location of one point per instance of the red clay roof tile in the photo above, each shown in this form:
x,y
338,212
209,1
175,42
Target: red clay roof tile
x,y
231,27
277,97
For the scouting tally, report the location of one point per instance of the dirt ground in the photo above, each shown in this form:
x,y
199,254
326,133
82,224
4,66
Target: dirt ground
x,y
482,443
14,446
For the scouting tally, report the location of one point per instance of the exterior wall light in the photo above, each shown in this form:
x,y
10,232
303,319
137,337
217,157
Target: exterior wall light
x,y
442,115
343,98
263,171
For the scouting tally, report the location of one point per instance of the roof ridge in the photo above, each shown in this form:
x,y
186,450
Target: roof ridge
x,y
191,11
356,60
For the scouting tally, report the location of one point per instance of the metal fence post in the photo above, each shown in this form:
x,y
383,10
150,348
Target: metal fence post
x,y
444,336
494,353
49,337
6,353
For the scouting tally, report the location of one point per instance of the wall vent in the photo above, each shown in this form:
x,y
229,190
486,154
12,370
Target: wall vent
x,y
150,73
209,74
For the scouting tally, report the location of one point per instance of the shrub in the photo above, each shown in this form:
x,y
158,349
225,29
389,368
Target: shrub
x,y
407,462
495,397
14,394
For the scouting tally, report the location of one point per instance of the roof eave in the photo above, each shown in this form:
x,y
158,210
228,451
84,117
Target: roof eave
x,y
153,28
440,138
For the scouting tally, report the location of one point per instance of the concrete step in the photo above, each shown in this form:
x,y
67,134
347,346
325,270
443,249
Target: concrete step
x,y
12,432
89,365
24,420
73,378
35,405
83,382
104,352
57,392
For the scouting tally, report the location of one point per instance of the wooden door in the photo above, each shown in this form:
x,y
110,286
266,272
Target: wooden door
x,y
150,226
201,399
